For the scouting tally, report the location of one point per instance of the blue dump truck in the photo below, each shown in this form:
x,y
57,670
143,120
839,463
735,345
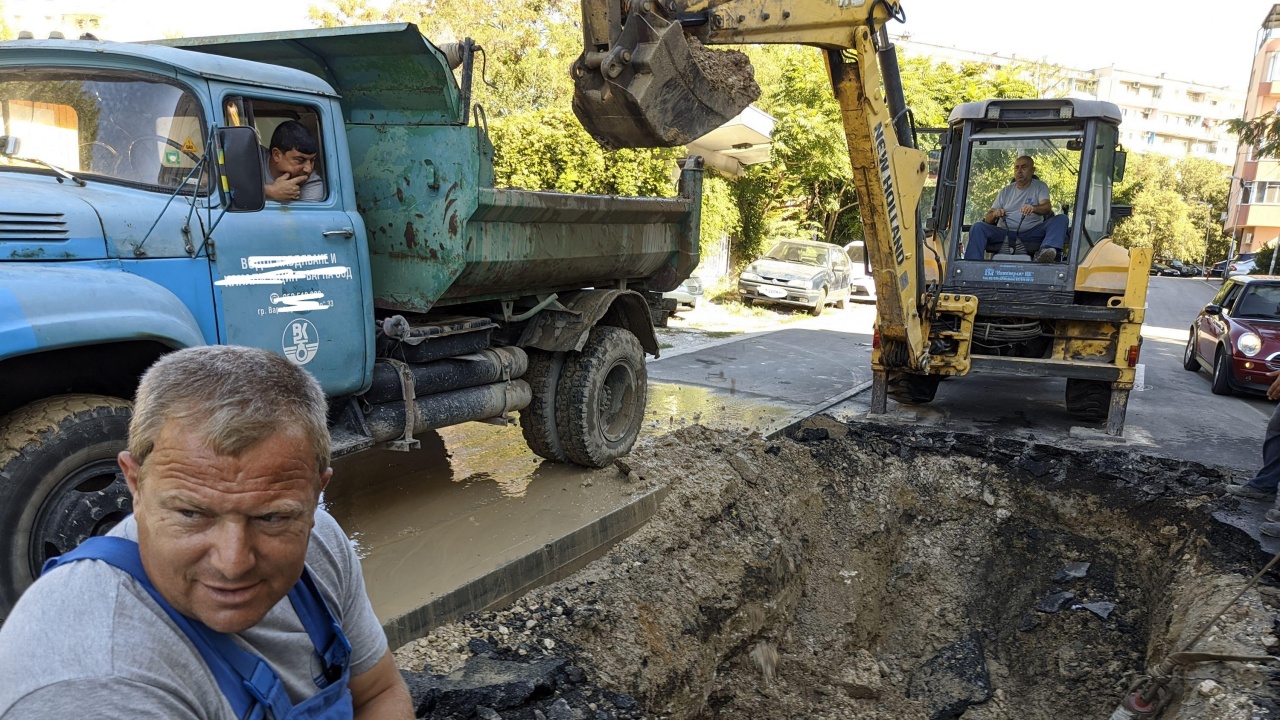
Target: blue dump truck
x,y
133,222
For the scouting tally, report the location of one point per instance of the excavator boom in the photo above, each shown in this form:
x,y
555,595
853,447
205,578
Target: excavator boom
x,y
645,79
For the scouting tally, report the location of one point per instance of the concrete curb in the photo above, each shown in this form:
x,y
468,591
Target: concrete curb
x,y
551,562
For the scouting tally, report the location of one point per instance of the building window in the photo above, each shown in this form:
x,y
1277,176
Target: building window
x,y
1265,193
1273,66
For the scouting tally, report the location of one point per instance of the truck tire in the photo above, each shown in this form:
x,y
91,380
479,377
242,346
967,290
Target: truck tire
x,y
912,389
601,398
821,305
1189,361
538,420
1088,399
59,482
1222,379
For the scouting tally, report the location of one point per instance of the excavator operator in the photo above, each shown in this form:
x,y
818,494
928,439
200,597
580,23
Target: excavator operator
x,y
1030,227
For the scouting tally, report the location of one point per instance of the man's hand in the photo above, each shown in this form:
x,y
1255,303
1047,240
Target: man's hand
x,y
285,188
1028,209
993,215
1273,392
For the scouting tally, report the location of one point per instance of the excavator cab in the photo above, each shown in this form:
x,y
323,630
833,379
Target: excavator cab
x,y
1073,145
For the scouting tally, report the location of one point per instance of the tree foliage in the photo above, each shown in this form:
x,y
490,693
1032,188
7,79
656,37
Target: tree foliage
x,y
1262,133
528,44
1175,206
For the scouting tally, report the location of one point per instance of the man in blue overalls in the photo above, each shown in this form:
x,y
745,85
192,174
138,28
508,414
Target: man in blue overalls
x,y
228,593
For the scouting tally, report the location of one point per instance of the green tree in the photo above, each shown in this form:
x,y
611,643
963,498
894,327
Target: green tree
x,y
1174,206
528,44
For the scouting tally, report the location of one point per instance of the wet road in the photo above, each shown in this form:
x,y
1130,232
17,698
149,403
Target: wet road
x,y
475,498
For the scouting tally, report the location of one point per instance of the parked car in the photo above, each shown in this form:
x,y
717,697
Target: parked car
x,y
1162,269
861,285
1189,270
686,296
1242,267
1219,267
803,273
1237,335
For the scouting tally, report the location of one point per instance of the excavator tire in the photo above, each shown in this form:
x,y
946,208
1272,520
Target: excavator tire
x,y
912,389
1088,399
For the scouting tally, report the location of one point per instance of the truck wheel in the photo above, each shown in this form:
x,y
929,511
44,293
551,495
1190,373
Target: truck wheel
x,y
59,482
821,305
538,420
1221,373
912,389
1189,361
600,403
1088,399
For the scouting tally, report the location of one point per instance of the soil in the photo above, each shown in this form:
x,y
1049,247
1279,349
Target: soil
x,y
869,571
728,71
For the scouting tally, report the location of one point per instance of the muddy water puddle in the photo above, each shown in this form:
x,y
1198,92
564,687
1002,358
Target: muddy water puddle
x,y
474,497
674,406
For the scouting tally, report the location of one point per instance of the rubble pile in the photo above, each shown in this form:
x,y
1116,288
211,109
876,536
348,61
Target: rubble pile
x,y
867,571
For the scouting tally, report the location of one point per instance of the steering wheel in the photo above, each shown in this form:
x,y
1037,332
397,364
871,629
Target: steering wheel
x,y
133,160
113,161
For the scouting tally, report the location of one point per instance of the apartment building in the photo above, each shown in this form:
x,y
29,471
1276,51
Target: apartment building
x,y
1163,115
1253,210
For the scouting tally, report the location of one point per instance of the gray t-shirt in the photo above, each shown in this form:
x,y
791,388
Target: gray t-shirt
x,y
88,641
1011,199
311,190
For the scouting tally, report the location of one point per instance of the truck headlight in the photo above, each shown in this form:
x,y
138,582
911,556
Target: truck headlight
x,y
1249,344
751,276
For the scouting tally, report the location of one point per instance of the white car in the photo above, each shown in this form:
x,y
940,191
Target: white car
x,y
861,285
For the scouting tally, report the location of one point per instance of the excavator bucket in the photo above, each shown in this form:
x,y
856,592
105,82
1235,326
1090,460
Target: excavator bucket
x,y
655,88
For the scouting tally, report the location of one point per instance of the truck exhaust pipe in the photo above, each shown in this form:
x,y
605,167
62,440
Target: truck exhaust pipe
x,y
490,365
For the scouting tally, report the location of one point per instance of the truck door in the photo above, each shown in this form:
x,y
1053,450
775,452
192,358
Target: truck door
x,y
292,277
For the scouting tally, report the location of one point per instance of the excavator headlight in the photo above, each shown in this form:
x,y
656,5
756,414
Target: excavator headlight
x,y
1066,112
993,112
1249,344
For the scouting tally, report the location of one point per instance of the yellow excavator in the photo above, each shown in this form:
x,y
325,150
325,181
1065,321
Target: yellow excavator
x,y
645,79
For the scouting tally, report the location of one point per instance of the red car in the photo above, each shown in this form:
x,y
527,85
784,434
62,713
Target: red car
x,y
1237,335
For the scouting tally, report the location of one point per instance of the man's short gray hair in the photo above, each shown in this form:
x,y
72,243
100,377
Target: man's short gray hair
x,y
234,397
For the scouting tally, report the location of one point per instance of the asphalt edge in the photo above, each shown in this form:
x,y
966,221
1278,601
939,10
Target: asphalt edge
x,y
553,561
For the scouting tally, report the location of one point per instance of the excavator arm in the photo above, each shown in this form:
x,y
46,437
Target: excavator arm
x,y
644,79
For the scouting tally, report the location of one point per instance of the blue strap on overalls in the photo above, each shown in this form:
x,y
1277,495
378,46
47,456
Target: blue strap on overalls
x,y
250,685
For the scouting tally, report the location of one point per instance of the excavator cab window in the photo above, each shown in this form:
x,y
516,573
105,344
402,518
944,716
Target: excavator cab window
x,y
1056,154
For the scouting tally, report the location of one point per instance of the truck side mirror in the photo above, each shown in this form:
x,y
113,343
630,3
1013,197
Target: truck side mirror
x,y
1117,170
240,165
10,146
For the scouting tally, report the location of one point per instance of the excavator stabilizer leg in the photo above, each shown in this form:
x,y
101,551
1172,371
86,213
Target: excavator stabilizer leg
x,y
655,88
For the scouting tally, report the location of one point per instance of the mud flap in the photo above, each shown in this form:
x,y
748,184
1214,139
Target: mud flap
x,y
647,90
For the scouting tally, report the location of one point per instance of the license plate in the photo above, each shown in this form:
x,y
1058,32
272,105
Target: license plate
x,y
773,292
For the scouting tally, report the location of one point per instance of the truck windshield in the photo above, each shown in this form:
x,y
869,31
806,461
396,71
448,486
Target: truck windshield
x,y
115,126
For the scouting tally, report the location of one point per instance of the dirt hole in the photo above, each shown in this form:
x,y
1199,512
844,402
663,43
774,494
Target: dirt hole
x,y
867,571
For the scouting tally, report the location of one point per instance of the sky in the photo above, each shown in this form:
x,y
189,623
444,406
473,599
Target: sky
x,y
1211,43
1214,45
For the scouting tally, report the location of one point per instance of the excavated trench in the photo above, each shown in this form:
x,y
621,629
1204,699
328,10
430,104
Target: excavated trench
x,y
868,571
